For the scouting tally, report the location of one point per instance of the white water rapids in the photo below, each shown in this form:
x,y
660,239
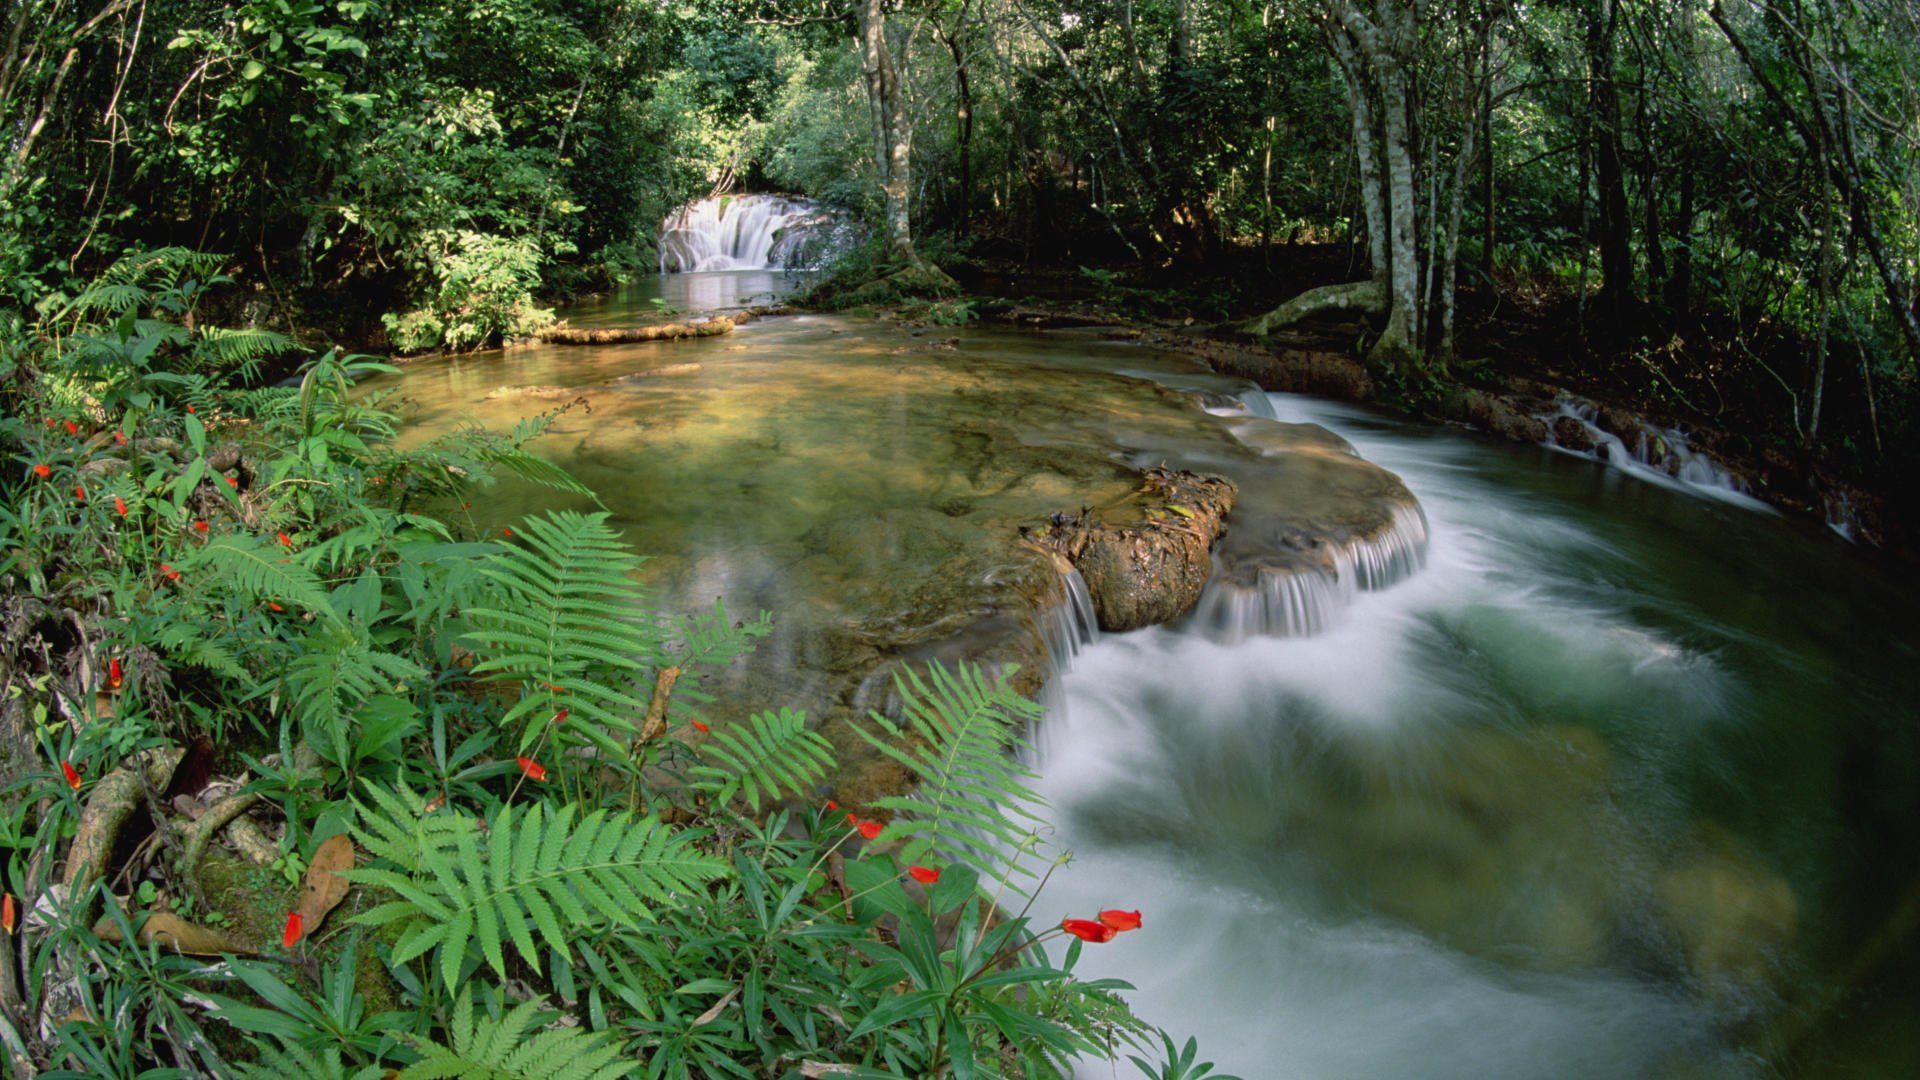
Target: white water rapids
x,y
1461,830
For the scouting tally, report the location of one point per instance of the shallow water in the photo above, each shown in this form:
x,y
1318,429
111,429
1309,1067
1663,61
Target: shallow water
x,y
1620,781
865,481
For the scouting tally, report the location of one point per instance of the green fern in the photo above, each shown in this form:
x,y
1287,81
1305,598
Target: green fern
x,y
571,625
958,735
295,1062
467,882
769,752
259,570
503,1049
477,450
334,674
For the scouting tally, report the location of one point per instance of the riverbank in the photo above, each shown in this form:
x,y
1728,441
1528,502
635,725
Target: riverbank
x,y
1514,392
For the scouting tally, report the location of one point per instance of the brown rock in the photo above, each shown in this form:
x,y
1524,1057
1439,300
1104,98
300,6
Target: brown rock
x,y
1570,434
1151,570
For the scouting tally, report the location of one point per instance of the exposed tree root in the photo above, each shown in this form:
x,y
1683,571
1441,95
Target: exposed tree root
x,y
113,801
1366,296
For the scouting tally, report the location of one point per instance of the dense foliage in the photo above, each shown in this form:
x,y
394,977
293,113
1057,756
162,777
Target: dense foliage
x,y
485,745
1716,200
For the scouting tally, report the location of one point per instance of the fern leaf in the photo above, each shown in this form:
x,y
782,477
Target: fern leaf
x,y
460,891
771,752
958,735
568,619
259,570
292,1061
504,1049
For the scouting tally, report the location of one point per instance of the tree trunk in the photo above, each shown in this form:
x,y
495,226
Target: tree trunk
x,y
1616,257
1398,346
963,123
1679,293
1366,154
893,131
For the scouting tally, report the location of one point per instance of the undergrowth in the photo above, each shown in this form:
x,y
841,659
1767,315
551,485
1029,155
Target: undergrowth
x,y
522,848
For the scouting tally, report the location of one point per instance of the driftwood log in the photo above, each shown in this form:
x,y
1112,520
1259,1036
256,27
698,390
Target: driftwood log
x,y
617,335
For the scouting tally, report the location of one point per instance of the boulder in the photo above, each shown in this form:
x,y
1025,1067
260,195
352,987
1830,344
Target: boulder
x,y
1147,561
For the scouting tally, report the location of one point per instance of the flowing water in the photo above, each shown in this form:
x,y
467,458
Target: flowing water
x,y
1572,776
751,232
1623,783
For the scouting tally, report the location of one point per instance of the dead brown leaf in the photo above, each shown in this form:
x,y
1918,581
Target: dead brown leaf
x,y
324,888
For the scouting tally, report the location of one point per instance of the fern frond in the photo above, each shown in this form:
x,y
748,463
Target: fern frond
x,y
295,1062
291,1061
569,619
335,672
219,347
260,570
469,884
191,643
958,735
503,1049
770,752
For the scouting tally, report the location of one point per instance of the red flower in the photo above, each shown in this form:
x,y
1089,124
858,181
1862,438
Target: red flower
x,y
120,437
169,572
231,482
925,875
73,428
853,818
113,674
1121,920
42,471
698,726
285,540
292,933
506,532
870,829
49,421
73,778
532,768
200,526
831,805
80,493
190,409
274,607
6,914
560,716
1088,930
120,504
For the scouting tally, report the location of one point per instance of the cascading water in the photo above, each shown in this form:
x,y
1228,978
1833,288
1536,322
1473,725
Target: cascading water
x,y
1563,803
749,232
1574,776
1659,455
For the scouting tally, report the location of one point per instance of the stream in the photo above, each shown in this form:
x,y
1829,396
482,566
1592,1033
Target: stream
x,y
1602,779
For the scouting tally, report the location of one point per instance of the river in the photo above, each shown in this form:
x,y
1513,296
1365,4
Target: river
x,y
1620,782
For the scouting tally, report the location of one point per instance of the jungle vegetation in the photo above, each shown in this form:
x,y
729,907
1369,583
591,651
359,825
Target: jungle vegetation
x,y
216,560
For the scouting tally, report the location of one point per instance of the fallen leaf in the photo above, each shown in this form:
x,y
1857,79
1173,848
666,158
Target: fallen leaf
x,y
324,888
173,932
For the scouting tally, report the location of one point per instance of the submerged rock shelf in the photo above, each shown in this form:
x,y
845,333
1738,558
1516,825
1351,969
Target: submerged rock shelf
x,y
868,485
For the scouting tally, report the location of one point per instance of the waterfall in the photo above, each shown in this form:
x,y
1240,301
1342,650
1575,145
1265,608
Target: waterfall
x,y
749,232
1657,454
1260,597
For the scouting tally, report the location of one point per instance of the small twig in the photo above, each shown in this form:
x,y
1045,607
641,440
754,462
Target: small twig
x,y
655,724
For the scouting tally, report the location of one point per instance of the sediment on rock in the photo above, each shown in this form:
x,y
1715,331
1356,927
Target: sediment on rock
x,y
1146,561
